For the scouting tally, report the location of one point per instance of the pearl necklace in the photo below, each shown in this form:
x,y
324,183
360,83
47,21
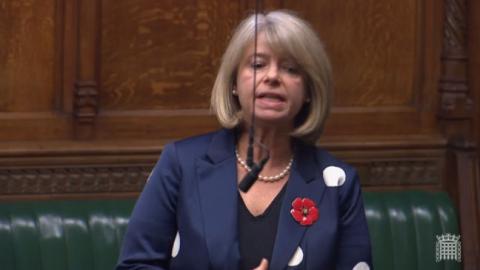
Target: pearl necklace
x,y
268,179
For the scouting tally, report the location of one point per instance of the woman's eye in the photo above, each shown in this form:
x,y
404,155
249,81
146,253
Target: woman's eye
x,y
257,65
293,69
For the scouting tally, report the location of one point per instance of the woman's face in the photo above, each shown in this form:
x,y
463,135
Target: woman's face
x,y
280,86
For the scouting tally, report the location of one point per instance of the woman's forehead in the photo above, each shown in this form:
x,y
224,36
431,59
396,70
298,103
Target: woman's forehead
x,y
267,48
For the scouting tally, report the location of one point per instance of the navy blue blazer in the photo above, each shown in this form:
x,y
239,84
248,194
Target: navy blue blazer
x,y
186,216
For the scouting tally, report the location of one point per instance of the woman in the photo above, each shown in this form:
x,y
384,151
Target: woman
x,y
305,210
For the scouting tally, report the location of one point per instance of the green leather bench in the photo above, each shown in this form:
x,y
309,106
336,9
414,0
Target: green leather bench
x,y
87,234
403,228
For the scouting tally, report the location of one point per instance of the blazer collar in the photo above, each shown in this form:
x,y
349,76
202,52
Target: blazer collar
x,y
306,162
221,146
217,184
217,187
290,233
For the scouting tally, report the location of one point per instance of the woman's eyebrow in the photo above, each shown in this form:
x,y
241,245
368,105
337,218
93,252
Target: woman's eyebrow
x,y
260,55
288,61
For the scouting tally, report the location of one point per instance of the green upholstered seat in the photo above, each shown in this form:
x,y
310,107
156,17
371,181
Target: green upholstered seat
x,y
86,235
403,228
62,235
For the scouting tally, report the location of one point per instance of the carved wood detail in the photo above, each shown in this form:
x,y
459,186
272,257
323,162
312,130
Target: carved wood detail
x,y
409,172
109,178
74,179
456,116
456,105
86,93
455,24
86,101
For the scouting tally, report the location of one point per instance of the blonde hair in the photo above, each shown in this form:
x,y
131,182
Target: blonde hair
x,y
290,36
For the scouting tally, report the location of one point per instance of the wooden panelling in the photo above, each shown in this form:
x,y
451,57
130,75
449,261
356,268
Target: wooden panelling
x,y
474,70
27,74
85,98
101,169
474,80
385,56
162,56
376,58
142,71
133,71
457,118
146,68
77,179
91,90
89,169
158,67
30,89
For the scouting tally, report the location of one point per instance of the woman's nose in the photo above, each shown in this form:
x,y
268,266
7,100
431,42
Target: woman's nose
x,y
272,75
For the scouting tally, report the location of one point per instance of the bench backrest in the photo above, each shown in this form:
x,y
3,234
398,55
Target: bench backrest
x,y
87,234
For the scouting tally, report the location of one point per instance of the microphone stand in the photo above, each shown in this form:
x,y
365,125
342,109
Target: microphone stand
x,y
255,168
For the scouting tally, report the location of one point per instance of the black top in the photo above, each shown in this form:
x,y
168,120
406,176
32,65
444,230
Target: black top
x,y
257,233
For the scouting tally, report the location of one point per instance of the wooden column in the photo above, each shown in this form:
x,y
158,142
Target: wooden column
x,y
474,86
456,115
86,85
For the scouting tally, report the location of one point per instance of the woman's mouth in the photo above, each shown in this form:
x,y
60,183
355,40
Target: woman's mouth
x,y
270,100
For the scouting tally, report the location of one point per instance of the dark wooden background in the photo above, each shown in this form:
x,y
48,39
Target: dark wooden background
x,y
91,90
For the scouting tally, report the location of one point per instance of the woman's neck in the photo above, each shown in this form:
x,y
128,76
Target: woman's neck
x,y
276,141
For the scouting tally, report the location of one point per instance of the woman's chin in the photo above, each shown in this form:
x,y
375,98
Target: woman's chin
x,y
273,120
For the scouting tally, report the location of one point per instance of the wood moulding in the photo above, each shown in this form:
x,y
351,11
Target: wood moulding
x,y
73,179
87,169
86,106
397,173
131,178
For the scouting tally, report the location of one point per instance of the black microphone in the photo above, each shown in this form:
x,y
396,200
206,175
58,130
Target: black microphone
x,y
255,168
252,175
251,134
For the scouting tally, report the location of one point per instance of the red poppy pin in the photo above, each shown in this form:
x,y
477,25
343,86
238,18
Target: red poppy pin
x,y
304,211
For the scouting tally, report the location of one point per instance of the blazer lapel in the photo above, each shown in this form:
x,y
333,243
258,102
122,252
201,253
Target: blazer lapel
x,y
290,232
217,185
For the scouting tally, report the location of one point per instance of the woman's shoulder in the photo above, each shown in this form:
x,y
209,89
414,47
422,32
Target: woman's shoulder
x,y
335,172
326,159
317,163
321,157
202,142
